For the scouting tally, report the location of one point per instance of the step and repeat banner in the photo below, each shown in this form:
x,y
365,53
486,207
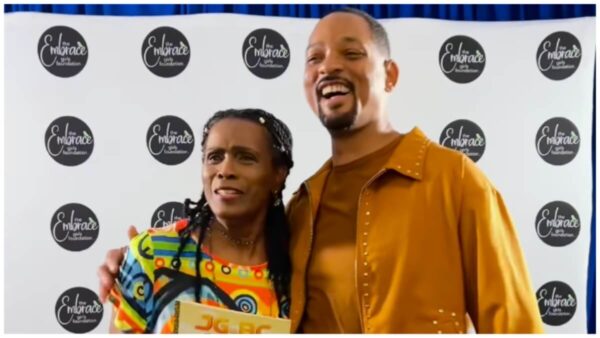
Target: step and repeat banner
x,y
103,119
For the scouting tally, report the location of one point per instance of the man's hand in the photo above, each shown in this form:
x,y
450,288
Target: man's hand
x,y
108,271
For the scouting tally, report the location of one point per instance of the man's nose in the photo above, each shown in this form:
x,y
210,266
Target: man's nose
x,y
331,64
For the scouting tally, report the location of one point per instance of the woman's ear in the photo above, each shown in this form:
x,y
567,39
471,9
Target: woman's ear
x,y
281,174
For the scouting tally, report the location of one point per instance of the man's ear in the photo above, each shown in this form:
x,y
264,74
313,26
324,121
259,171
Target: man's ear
x,y
392,72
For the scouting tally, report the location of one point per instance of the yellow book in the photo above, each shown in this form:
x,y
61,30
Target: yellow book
x,y
191,317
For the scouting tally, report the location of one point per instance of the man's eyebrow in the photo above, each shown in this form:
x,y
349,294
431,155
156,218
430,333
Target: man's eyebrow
x,y
234,148
312,45
350,39
346,39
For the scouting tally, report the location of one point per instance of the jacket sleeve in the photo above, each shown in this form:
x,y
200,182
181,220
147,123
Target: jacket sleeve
x,y
500,297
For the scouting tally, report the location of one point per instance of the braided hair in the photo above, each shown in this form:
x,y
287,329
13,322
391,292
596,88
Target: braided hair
x,y
276,227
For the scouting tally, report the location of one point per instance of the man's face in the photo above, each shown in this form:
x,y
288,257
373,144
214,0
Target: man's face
x,y
345,73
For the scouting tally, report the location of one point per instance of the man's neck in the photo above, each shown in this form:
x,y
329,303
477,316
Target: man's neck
x,y
352,145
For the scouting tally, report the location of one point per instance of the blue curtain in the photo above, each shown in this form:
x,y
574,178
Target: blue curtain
x,y
449,12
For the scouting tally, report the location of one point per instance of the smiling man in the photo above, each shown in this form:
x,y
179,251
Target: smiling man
x,y
394,234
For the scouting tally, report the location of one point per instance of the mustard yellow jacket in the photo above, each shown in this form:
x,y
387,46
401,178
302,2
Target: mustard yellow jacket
x,y
434,241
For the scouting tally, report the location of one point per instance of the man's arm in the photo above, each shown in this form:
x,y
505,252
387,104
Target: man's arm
x,y
500,297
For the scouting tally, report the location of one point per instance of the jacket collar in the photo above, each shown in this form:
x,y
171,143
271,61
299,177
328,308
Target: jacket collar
x,y
408,159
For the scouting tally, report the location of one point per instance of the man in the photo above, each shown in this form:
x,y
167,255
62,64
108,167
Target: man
x,y
394,234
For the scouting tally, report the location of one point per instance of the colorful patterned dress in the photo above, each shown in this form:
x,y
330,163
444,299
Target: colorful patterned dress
x,y
148,286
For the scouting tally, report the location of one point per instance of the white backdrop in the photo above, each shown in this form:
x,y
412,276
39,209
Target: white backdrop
x,y
118,98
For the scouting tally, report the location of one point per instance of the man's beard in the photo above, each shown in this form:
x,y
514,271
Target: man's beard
x,y
339,122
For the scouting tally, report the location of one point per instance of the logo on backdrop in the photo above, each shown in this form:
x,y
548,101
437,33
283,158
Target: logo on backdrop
x,y
167,214
166,52
558,55
74,227
557,223
170,140
557,141
462,59
78,310
266,53
62,51
69,141
557,303
464,136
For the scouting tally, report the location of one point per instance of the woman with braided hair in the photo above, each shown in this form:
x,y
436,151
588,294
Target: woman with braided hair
x,y
231,250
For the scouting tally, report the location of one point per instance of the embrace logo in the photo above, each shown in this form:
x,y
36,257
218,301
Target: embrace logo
x,y
557,141
62,51
559,55
557,223
170,140
466,137
166,52
462,59
69,141
78,310
74,227
557,303
266,53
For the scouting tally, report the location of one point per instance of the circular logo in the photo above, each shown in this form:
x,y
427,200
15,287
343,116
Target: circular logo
x,y
464,136
557,223
266,53
78,310
69,141
558,55
170,140
557,141
62,51
166,52
462,59
167,214
74,227
557,303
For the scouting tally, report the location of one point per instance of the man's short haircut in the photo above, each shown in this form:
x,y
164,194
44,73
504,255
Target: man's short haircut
x,y
379,34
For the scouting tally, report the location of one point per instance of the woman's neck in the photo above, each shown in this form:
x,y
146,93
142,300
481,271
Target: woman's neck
x,y
236,243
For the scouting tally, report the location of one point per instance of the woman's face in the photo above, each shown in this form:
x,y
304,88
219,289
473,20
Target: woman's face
x,y
238,173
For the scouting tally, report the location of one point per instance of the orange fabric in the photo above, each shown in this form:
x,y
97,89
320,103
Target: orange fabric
x,y
335,241
435,242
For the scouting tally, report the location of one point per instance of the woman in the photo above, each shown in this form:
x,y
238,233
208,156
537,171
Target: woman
x,y
232,249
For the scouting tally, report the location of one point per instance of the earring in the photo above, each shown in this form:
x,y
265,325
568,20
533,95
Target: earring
x,y
277,200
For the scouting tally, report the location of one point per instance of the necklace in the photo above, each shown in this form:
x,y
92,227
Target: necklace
x,y
236,241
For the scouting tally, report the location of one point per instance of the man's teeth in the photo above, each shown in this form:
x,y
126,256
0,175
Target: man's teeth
x,y
336,88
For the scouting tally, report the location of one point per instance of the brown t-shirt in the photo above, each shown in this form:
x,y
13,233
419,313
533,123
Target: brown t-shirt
x,y
332,299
